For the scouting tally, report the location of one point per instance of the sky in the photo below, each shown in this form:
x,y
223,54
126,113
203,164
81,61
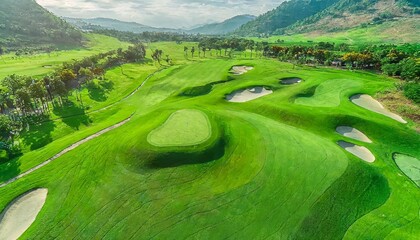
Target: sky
x,y
160,13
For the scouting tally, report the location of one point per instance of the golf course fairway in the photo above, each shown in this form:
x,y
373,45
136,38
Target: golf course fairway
x,y
197,166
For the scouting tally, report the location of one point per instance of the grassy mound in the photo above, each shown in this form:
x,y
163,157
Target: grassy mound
x,y
328,93
183,128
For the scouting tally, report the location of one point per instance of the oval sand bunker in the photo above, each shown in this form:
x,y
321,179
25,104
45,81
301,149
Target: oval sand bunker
x,y
290,81
183,128
247,95
353,133
239,70
368,102
21,213
358,151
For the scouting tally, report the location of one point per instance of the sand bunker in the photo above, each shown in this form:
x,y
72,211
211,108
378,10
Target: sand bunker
x,y
368,102
239,70
247,95
21,213
290,81
360,152
353,133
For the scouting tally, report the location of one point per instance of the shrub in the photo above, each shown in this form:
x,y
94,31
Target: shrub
x,y
412,91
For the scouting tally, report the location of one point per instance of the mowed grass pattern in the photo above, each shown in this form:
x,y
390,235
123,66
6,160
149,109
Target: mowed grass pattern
x,y
328,93
275,170
183,128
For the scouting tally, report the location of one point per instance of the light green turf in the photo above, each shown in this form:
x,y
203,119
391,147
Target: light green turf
x,y
271,168
410,167
328,93
42,64
186,127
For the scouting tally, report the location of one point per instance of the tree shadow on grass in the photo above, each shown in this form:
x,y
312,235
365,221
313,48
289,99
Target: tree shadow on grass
x,y
38,135
73,115
9,169
98,92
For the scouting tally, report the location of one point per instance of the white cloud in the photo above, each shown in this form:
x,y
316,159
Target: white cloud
x,y
160,13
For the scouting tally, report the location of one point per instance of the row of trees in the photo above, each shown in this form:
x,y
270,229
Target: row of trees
x,y
24,99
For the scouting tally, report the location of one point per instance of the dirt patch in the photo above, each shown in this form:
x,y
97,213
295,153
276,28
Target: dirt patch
x,y
21,213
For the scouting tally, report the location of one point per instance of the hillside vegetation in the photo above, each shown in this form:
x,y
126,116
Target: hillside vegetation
x,y
25,23
302,16
224,27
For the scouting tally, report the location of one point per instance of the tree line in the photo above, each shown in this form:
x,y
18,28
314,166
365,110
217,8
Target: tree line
x,y
24,99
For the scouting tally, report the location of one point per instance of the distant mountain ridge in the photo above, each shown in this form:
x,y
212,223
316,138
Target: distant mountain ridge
x,y
114,24
25,23
224,27
300,16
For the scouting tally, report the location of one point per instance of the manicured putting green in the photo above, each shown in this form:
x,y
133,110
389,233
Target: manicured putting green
x,y
327,94
21,213
410,166
183,128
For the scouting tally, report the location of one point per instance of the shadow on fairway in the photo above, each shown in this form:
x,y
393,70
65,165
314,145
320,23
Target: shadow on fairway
x,y
178,158
99,92
9,169
77,113
38,135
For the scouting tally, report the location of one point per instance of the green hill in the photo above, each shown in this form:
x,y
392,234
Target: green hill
x,y
224,27
346,14
113,24
25,23
283,16
305,16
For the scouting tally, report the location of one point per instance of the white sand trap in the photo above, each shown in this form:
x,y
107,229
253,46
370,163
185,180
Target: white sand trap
x,y
368,102
239,70
247,95
353,133
358,151
290,81
21,213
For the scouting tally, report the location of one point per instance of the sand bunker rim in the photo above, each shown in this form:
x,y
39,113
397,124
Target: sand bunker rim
x,y
248,94
290,80
21,213
352,133
358,151
368,102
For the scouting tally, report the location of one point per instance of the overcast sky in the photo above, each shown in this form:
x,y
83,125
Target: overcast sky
x,y
160,13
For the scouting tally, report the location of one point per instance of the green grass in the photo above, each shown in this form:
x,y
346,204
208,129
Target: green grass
x,y
183,128
328,93
410,166
43,63
270,169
